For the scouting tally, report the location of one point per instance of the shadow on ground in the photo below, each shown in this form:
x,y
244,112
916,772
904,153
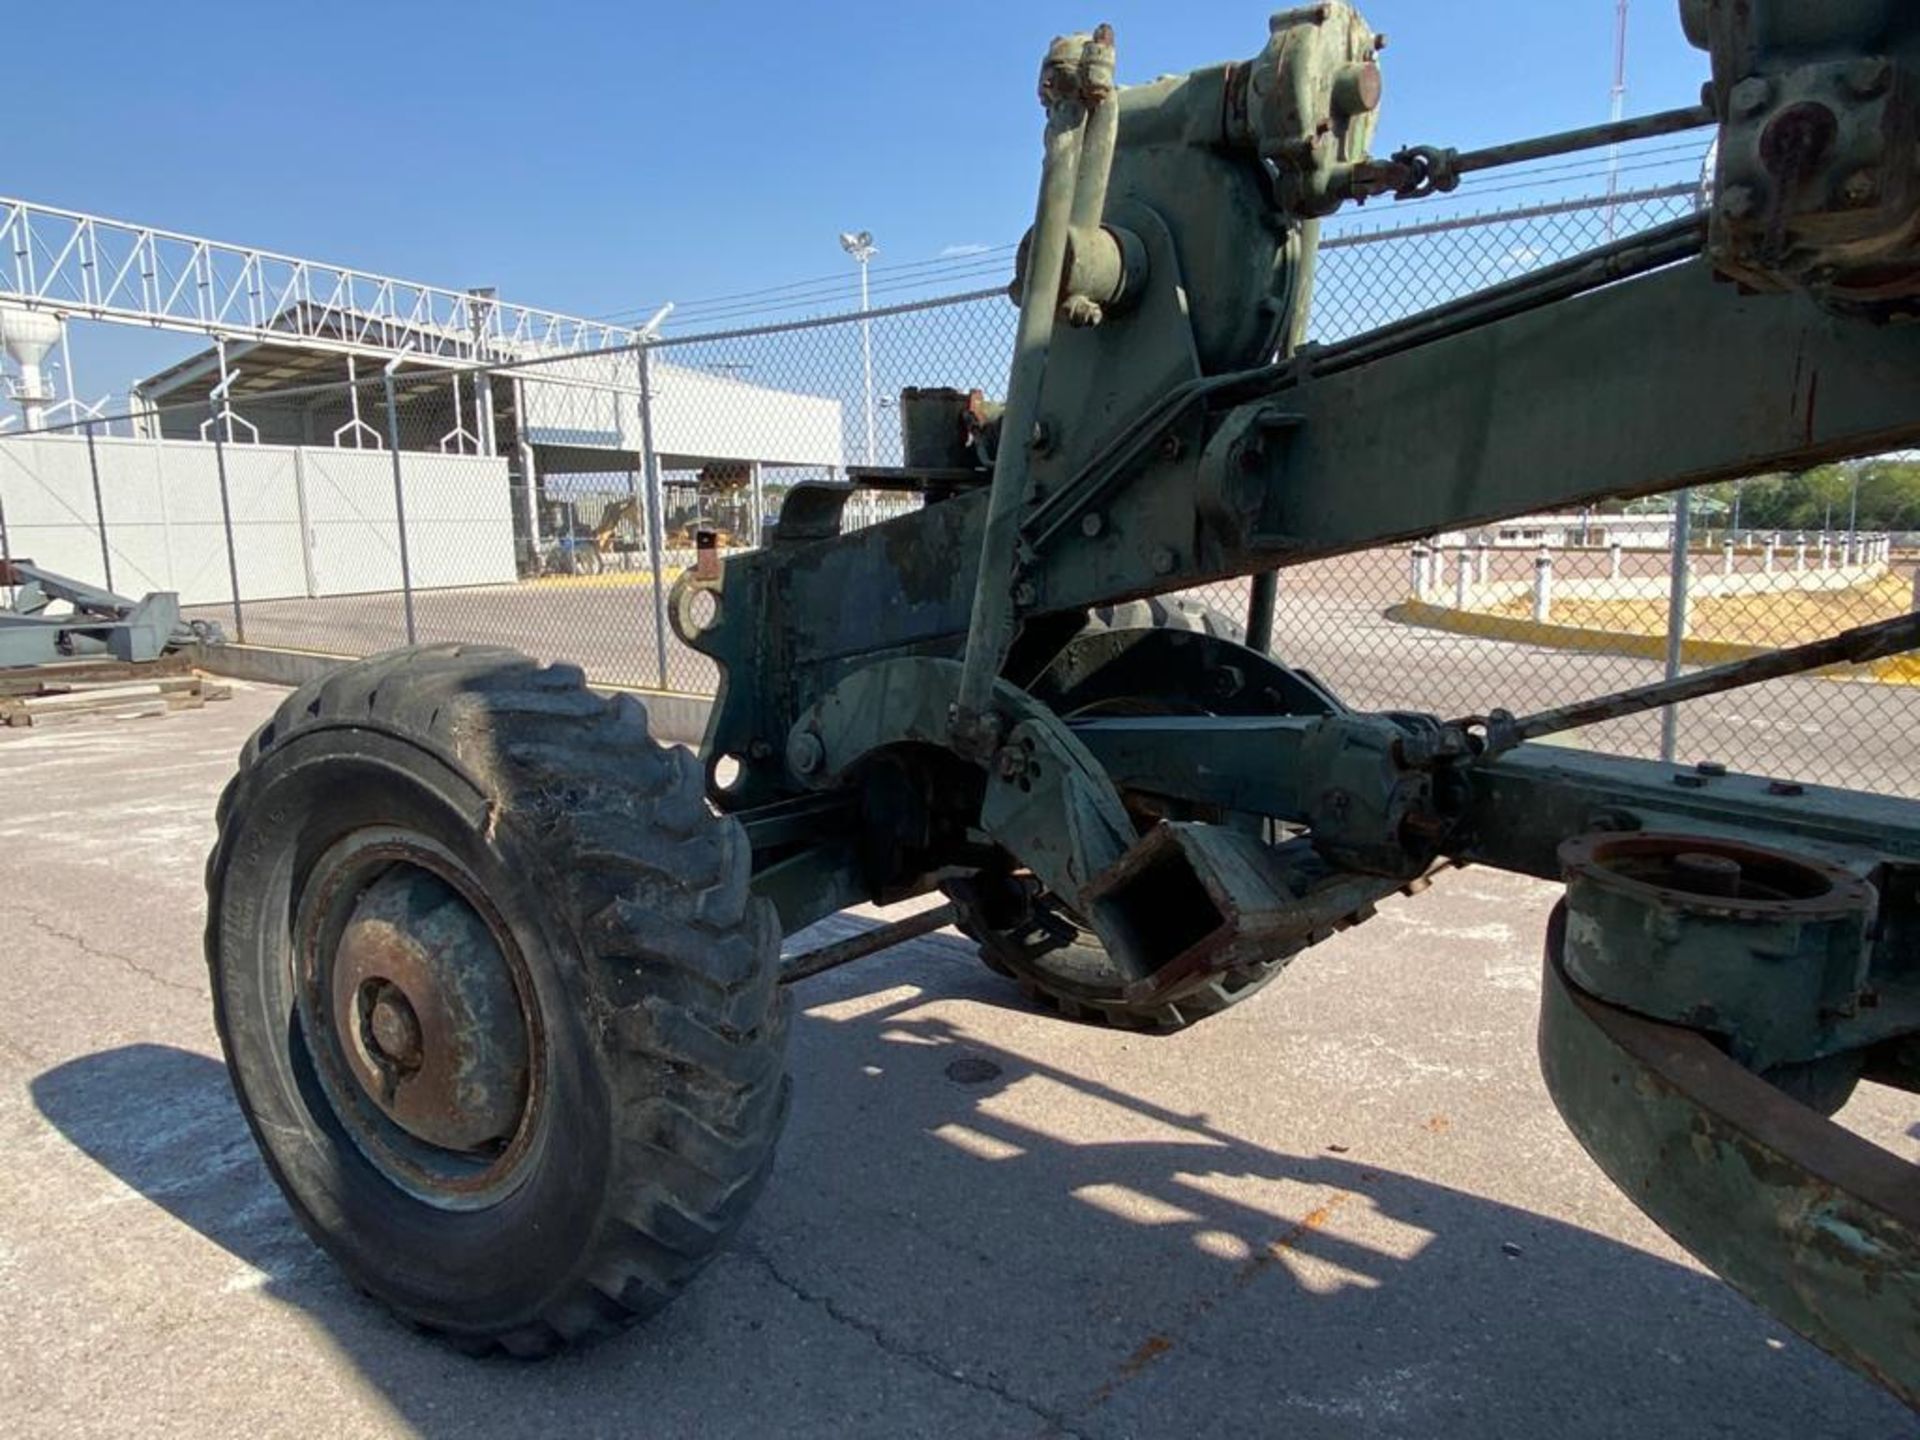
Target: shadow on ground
x,y
961,1240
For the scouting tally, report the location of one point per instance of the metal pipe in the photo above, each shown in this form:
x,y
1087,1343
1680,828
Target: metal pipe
x,y
399,492
219,393
99,509
1858,646
991,624
1102,132
857,947
1680,571
1591,137
656,542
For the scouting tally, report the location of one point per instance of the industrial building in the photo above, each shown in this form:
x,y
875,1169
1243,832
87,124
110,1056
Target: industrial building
x,y
524,411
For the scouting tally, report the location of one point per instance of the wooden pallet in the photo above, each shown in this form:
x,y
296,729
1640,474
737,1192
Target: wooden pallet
x,y
70,698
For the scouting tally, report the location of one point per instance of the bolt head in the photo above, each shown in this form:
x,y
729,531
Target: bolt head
x,y
1024,593
1091,524
395,1029
805,753
1164,560
1860,189
1751,96
1740,202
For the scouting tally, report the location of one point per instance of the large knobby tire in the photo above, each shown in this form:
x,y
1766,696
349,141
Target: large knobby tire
x,y
1026,934
459,832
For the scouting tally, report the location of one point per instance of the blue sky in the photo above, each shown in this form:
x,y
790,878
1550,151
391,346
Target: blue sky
x,y
600,158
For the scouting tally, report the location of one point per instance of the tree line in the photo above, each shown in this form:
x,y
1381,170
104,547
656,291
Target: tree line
x,y
1819,499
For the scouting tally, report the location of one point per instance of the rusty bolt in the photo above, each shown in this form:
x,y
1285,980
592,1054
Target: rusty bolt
x,y
1860,189
805,753
1356,89
1225,681
1024,594
1171,447
1091,524
1011,763
1700,872
1164,560
1739,202
1751,96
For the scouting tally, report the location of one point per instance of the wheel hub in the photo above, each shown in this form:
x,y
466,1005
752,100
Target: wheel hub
x,y
427,1016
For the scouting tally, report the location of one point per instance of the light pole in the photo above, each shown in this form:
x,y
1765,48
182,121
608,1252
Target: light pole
x,y
859,244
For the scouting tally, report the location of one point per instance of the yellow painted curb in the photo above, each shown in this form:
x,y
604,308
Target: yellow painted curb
x,y
1896,670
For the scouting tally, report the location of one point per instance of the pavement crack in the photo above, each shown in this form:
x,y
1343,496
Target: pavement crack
x,y
1056,1421
96,952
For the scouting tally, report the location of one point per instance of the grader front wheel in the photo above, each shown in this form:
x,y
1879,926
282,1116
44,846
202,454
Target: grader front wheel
x,y
494,996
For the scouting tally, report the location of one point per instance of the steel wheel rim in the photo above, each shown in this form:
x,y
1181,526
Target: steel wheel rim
x,y
478,1152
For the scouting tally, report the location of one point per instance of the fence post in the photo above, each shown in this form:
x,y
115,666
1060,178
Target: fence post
x,y
218,394
399,493
1800,555
1480,563
1262,600
1680,573
1726,556
99,510
1417,564
1461,575
1613,561
1826,552
6,555
1766,555
1543,586
650,461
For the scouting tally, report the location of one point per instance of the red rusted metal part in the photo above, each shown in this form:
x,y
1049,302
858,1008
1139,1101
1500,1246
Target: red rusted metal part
x,y
427,1014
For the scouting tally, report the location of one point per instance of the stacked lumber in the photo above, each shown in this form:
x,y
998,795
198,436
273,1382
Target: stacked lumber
x,y
66,700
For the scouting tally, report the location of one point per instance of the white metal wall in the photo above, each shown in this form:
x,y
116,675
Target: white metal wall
x,y
306,521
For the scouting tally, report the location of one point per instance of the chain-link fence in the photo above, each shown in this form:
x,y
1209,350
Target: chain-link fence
x,y
549,504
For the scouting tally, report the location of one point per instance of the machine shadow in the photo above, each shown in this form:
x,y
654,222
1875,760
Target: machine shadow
x,y
945,1207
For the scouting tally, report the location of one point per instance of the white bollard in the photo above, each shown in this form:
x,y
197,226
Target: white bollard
x,y
1543,586
1462,574
1826,551
1800,555
1613,561
1766,555
1726,557
1417,558
1480,563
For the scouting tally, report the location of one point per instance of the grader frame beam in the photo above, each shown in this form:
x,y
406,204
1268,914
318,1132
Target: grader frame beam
x,y
1165,426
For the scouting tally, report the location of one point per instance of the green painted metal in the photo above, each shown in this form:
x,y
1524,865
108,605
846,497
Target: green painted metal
x,y
916,702
1808,1220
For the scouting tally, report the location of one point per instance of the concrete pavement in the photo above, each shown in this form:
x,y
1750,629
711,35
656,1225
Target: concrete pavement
x,y
1344,1209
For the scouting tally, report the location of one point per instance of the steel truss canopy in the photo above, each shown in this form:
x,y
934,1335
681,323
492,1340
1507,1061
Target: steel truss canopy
x,y
100,269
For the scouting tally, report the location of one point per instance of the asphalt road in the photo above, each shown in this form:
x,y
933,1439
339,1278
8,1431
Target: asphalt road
x,y
1329,621
1346,1208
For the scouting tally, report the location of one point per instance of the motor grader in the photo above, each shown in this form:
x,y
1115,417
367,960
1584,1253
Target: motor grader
x,y
499,976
